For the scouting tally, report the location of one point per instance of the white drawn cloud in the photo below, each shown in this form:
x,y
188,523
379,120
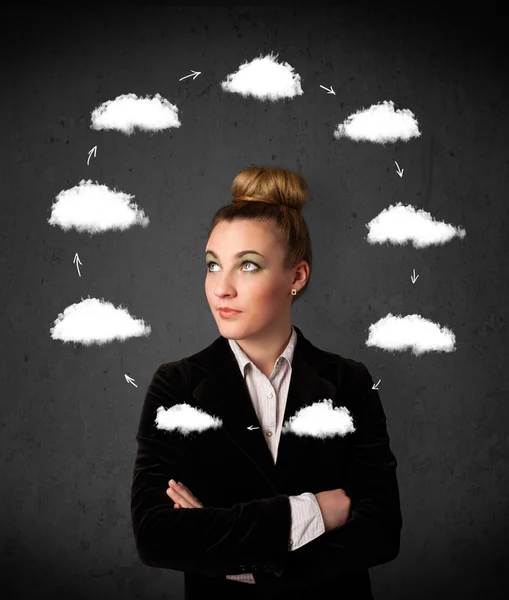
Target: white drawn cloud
x,y
96,208
380,123
400,224
413,331
265,79
185,418
93,321
321,420
127,112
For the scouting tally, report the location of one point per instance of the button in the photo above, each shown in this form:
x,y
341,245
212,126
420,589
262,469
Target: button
x,y
268,432
270,395
290,543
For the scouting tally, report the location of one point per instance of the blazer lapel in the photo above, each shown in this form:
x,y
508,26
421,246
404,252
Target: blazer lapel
x,y
222,392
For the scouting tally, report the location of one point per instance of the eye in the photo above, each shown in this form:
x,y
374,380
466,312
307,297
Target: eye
x,y
211,262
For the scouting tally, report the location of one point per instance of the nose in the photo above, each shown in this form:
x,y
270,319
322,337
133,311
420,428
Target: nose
x,y
224,288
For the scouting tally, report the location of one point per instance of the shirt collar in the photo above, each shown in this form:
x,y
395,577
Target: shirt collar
x,y
243,360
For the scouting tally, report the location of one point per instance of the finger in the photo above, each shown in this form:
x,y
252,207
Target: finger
x,y
180,487
192,498
186,490
185,494
175,496
189,499
196,502
179,498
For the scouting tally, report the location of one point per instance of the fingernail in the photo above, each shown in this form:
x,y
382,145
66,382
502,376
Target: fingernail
x,y
172,480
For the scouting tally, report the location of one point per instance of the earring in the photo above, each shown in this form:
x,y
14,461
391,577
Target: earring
x,y
294,292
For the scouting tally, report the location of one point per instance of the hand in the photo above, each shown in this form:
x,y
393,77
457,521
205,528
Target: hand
x,y
335,506
182,496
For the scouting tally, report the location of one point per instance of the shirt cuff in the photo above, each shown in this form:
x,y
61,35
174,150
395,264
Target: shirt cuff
x,y
307,521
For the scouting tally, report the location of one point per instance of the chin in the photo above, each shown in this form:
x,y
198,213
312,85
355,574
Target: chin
x,y
228,330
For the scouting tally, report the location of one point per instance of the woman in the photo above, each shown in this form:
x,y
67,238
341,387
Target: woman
x,y
287,481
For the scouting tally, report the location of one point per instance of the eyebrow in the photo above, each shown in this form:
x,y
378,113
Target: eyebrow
x,y
238,255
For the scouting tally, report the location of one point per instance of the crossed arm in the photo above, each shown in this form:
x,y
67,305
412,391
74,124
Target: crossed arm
x,y
215,541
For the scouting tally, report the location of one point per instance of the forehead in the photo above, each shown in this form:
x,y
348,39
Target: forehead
x,y
248,234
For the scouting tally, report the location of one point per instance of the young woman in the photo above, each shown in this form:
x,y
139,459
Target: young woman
x,y
264,467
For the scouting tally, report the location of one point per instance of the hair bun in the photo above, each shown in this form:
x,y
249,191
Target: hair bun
x,y
272,185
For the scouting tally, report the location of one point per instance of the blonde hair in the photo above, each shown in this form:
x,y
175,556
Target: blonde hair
x,y
274,195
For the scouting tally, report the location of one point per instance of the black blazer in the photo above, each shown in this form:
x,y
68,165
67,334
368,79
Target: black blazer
x,y
245,524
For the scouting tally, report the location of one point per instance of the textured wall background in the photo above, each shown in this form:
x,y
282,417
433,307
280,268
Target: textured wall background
x,y
68,416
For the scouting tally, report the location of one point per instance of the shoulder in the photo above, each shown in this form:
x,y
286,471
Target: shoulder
x,y
358,372
354,383
364,395
168,374
350,373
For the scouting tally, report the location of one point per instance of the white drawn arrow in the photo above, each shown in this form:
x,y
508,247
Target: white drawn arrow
x,y
251,428
375,386
130,380
77,260
94,150
195,73
399,171
413,277
331,91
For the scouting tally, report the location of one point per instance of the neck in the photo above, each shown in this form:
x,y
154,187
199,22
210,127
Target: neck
x,y
264,349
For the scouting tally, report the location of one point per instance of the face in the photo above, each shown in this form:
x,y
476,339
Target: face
x,y
255,283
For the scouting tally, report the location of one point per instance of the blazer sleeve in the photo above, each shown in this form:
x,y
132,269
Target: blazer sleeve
x,y
212,541
371,535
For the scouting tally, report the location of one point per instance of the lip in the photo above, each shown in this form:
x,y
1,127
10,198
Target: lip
x,y
228,313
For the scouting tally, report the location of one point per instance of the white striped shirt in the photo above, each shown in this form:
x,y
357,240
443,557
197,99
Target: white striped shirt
x,y
269,401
